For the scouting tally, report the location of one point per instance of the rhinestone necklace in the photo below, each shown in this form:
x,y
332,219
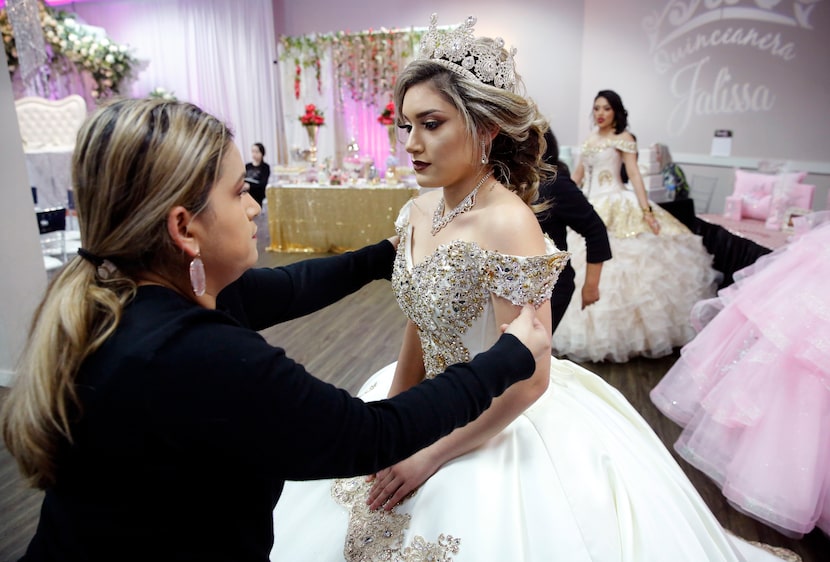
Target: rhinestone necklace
x,y
439,221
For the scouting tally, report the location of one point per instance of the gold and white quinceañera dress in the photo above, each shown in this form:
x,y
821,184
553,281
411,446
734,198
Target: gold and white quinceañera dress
x,y
647,289
578,476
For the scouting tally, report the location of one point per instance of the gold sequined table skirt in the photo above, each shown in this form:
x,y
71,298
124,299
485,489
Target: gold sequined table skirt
x,y
332,218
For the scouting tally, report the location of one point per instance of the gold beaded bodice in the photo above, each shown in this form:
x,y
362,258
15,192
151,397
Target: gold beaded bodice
x,y
617,205
601,159
448,295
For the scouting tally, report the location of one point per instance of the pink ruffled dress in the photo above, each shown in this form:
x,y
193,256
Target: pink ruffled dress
x,y
752,389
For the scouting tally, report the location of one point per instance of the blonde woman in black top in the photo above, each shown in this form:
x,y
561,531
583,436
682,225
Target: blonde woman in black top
x,y
158,421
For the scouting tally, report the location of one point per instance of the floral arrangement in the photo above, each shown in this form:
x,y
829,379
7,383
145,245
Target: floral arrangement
x,y
68,42
337,177
298,73
312,116
365,65
160,93
387,116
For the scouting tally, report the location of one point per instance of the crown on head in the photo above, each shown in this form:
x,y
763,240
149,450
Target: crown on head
x,y
458,50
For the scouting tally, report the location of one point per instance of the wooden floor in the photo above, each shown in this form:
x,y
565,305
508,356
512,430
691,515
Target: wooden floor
x,y
347,342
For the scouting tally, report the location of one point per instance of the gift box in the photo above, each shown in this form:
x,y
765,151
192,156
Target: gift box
x,y
647,168
652,181
733,207
648,155
657,195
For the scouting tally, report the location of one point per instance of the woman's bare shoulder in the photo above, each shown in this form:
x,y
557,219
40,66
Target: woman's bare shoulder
x,y
425,202
511,227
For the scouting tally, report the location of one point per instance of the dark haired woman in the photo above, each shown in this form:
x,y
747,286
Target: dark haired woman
x,y
659,270
257,173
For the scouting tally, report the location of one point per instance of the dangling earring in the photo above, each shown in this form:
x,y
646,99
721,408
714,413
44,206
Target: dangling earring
x,y
483,154
197,276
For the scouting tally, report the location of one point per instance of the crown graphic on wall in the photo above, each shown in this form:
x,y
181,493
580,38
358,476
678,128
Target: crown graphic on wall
x,y
680,17
458,50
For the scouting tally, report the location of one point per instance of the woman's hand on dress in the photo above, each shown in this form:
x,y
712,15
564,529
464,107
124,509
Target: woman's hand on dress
x,y
392,485
652,223
530,331
394,240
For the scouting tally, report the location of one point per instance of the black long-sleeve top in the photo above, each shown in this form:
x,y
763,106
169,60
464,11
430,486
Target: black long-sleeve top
x,y
191,421
257,178
570,208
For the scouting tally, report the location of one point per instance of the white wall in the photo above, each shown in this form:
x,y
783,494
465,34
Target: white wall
x,y
569,50
686,68
22,273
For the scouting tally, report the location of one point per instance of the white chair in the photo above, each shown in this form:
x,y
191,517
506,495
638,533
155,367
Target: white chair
x,y
50,125
52,226
48,130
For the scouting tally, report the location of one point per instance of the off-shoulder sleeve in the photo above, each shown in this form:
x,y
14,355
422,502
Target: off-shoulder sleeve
x,y
523,280
403,218
625,146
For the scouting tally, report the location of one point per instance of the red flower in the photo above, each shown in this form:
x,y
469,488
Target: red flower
x,y
312,116
387,116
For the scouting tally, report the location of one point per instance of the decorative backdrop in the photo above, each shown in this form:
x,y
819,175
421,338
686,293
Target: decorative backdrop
x,y
350,77
80,59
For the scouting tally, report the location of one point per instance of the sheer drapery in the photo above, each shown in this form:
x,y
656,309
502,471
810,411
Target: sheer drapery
x,y
213,53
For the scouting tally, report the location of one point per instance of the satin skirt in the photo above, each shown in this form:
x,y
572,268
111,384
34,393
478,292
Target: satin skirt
x,y
579,476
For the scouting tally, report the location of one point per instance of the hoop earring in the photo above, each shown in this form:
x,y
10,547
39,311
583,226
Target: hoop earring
x,y
197,276
483,153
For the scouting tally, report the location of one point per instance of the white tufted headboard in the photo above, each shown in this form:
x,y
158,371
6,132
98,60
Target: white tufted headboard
x,y
50,125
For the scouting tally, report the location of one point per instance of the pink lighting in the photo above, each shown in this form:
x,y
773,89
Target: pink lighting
x,y
53,2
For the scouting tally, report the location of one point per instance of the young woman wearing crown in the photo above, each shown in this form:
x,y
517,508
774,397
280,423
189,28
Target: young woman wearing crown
x,y
560,467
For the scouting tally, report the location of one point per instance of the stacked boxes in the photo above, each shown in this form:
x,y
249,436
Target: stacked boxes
x,y
648,160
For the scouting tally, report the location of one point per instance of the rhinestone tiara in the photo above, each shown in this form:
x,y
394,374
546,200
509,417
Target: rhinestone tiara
x,y
459,51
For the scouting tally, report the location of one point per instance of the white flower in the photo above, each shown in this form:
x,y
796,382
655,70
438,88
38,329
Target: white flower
x,y
110,59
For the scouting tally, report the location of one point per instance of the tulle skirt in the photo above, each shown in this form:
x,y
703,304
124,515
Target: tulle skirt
x,y
647,288
579,476
752,390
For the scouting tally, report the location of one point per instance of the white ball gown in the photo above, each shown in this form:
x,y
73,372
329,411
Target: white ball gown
x,y
578,476
649,285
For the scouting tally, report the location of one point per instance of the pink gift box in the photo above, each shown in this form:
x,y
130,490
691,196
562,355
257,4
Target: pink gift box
x,y
733,207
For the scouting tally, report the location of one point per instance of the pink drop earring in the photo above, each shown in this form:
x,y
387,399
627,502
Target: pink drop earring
x,y
197,276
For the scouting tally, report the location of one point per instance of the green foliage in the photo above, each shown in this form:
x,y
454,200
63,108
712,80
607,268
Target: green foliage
x,y
69,43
